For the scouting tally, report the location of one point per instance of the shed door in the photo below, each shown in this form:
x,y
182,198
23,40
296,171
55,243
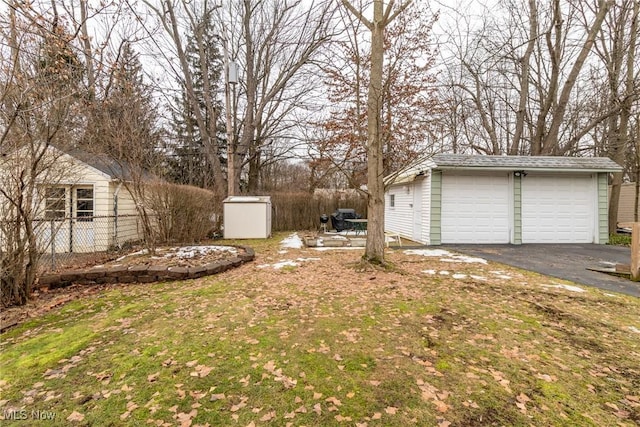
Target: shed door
x,y
475,208
558,209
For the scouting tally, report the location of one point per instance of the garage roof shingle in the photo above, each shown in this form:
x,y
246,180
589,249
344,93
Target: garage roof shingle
x,y
463,161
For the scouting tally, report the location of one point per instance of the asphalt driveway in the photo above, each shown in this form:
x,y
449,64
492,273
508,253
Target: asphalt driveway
x,y
567,261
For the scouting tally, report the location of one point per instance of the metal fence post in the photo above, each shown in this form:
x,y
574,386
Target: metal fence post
x,y
53,245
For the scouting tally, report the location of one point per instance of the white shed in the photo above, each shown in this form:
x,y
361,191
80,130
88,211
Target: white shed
x,y
501,199
247,217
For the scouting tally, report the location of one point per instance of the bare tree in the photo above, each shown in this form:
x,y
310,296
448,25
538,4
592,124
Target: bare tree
x,y
521,78
409,99
40,79
173,14
616,48
383,15
278,42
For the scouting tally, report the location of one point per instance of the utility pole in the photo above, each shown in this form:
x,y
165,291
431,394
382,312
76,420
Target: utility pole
x,y
230,82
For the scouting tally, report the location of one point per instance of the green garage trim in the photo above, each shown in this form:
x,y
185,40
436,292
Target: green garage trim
x,y
603,208
436,208
517,210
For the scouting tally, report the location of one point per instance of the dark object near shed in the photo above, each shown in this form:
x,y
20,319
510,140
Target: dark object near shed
x,y
339,216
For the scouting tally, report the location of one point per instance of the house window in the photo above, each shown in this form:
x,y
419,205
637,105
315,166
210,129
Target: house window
x,y
54,203
392,200
84,204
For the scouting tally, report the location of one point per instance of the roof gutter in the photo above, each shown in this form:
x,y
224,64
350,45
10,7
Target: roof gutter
x,y
523,168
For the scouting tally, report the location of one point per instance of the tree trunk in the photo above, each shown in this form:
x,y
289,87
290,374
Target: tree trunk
x,y
249,128
524,79
636,204
207,138
253,176
374,251
87,51
621,132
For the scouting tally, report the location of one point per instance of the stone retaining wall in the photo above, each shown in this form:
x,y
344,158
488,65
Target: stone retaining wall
x,y
142,273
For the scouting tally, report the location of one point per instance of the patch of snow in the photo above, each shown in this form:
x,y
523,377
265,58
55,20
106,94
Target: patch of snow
x,y
608,263
293,242
193,251
567,287
140,252
634,329
501,275
459,276
429,271
611,295
451,257
285,263
283,252
444,273
427,252
481,278
464,258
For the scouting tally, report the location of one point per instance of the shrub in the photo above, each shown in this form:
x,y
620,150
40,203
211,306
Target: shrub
x,y
184,214
620,239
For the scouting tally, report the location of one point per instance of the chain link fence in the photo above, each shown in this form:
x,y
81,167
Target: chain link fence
x,y
83,239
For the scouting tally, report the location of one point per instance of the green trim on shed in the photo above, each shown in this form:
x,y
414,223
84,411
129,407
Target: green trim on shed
x,y
517,210
435,228
603,208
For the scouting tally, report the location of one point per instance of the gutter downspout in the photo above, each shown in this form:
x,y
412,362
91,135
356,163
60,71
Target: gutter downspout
x,y
115,213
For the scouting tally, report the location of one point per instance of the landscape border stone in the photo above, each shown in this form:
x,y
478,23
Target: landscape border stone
x,y
143,273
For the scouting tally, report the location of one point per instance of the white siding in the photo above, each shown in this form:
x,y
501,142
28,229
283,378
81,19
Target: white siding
x,y
425,192
400,218
127,227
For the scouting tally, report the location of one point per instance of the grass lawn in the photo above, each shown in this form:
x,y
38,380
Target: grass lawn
x,y
435,341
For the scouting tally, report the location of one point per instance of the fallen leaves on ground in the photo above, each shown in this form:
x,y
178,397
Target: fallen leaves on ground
x,y
334,344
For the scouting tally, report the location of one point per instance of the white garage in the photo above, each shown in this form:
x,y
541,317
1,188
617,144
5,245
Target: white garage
x,y
501,199
475,208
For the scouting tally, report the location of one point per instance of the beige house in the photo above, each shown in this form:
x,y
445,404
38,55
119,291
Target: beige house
x,y
627,203
83,205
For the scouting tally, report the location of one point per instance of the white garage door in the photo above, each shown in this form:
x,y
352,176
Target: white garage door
x,y
475,209
558,209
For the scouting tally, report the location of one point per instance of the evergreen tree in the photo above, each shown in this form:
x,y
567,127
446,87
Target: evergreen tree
x,y
187,161
130,113
122,122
